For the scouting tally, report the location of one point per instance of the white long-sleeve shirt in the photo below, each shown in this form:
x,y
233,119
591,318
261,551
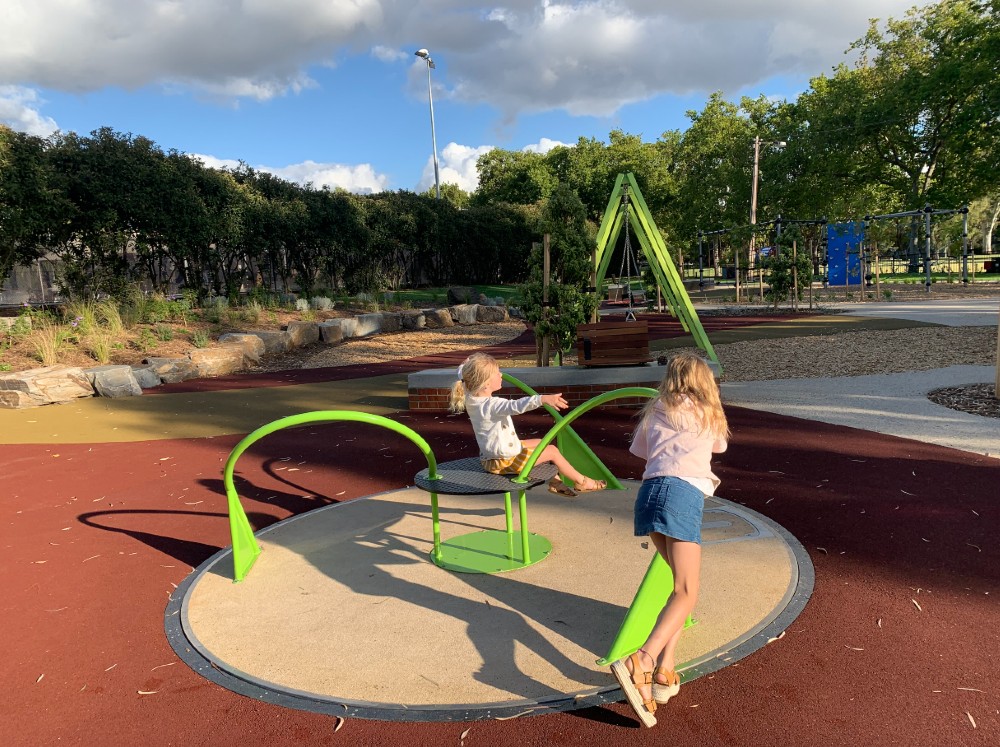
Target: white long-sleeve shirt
x,y
492,424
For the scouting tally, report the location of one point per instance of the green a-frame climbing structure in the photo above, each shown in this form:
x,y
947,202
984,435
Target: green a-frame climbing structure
x,y
627,203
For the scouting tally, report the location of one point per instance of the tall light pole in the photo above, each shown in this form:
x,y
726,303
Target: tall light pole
x,y
757,142
423,53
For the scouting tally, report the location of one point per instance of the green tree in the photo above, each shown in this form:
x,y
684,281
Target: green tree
x,y
571,244
32,210
515,177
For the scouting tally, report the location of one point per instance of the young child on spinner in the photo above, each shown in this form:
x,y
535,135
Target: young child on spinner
x,y
500,449
677,435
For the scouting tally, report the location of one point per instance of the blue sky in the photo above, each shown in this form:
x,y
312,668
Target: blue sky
x,y
329,91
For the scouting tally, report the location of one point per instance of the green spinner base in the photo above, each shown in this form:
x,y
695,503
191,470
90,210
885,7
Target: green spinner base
x,y
490,551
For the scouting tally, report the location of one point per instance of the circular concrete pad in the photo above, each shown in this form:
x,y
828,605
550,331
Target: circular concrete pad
x,y
343,612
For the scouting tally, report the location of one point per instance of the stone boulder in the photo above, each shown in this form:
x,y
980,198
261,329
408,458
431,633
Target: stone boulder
x,y
251,345
331,332
391,322
461,295
464,314
437,318
218,361
491,314
43,386
368,324
348,326
172,370
113,381
303,333
413,320
146,377
275,343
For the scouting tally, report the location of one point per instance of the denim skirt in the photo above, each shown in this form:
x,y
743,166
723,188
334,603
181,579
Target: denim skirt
x,y
670,506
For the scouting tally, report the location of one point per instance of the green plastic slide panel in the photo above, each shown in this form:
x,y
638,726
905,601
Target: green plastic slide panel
x,y
570,444
245,545
656,586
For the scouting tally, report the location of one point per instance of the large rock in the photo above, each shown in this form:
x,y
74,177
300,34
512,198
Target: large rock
x,y
331,332
43,386
348,326
218,361
251,345
413,320
146,377
368,324
491,314
113,381
303,333
437,318
275,343
461,295
391,322
464,314
172,370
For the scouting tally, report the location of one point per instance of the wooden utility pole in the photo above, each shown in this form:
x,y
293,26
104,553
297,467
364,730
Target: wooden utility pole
x,y
544,353
593,284
795,277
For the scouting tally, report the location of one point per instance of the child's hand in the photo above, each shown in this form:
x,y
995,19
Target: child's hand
x,y
555,400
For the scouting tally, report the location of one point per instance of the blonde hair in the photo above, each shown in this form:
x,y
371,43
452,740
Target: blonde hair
x,y
474,373
690,379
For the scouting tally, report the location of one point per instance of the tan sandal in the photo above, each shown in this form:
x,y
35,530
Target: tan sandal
x,y
596,485
558,487
629,682
663,692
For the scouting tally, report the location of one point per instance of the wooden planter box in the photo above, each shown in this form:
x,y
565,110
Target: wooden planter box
x,y
612,344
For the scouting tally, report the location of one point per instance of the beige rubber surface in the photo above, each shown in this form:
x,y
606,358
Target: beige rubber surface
x,y
343,603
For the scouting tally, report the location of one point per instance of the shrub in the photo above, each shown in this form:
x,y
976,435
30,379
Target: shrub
x,y
108,316
302,304
99,346
47,341
321,303
199,338
144,342
83,314
4,367
164,332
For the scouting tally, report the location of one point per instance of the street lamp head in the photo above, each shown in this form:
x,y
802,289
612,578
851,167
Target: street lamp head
x,y
423,53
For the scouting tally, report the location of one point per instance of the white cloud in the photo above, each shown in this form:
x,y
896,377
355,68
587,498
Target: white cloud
x,y
544,145
457,165
584,56
358,178
19,111
389,54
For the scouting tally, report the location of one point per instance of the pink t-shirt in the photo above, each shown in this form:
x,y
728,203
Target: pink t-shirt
x,y
670,453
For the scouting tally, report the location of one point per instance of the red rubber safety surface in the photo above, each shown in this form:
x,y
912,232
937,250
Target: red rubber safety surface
x,y
899,643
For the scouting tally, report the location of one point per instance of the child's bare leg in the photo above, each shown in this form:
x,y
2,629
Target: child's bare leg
x,y
684,558
552,454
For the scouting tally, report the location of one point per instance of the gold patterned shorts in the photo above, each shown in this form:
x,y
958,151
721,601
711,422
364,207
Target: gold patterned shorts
x,y
507,465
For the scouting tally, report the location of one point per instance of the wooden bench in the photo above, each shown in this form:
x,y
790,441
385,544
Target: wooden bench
x,y
612,344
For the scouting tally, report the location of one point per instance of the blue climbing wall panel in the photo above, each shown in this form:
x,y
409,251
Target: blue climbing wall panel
x,y
843,250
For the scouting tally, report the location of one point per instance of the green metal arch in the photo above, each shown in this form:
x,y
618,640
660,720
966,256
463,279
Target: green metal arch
x,y
564,422
245,545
